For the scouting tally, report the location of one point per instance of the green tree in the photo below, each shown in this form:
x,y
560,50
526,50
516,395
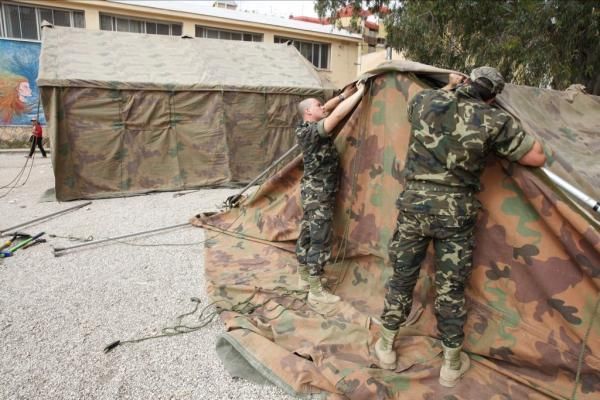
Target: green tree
x,y
532,42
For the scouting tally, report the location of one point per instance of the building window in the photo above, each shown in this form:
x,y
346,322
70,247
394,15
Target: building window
x,y
20,21
214,33
126,24
316,53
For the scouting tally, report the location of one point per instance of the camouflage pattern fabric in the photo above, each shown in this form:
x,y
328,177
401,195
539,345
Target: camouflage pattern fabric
x,y
453,247
130,118
452,134
319,186
313,247
532,293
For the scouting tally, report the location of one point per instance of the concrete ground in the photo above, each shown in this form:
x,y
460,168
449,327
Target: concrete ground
x,y
58,313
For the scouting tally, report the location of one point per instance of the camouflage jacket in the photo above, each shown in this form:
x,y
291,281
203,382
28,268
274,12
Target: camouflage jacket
x,y
451,136
320,156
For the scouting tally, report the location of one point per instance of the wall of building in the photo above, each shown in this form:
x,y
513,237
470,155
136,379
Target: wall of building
x,y
344,52
19,58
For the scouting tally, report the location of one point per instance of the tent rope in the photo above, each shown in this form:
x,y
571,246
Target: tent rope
x,y
207,316
583,347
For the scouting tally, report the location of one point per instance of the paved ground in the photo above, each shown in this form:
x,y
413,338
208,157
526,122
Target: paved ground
x,y
57,314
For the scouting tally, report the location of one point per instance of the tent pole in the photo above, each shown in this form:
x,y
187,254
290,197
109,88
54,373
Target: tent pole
x,y
567,187
232,201
3,231
59,250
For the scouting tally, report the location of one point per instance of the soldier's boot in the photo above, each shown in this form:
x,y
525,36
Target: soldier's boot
x,y
303,274
454,366
317,294
384,348
303,277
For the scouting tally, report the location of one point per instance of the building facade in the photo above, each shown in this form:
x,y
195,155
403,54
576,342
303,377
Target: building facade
x,y
334,53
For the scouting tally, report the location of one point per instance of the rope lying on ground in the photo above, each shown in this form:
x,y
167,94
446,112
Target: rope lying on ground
x,y
245,307
16,179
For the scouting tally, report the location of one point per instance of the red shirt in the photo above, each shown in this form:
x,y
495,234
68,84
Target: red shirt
x,y
37,130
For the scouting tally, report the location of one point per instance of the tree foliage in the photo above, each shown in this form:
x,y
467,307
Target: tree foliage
x,y
534,42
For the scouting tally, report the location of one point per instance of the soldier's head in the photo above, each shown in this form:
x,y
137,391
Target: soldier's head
x,y
487,81
311,110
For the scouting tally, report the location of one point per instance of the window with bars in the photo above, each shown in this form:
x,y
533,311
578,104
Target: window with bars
x,y
225,34
316,53
126,24
20,21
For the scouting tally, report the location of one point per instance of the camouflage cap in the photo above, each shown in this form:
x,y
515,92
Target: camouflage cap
x,y
492,75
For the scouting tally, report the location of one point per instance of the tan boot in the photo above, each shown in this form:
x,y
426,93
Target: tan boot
x,y
303,277
384,348
454,366
317,294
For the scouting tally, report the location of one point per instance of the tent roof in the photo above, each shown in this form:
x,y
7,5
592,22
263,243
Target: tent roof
x,y
72,57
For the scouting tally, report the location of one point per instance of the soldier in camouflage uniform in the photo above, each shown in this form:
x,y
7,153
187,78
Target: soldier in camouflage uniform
x,y
318,188
451,136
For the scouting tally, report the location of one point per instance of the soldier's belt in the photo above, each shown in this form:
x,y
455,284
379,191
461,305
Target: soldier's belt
x,y
433,187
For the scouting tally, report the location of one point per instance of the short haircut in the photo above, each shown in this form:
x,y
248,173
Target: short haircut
x,y
482,88
304,105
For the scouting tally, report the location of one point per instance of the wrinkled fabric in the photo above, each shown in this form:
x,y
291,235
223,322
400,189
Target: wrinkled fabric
x,y
532,292
319,186
452,134
452,238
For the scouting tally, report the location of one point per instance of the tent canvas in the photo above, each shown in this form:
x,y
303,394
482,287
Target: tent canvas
x,y
533,329
130,113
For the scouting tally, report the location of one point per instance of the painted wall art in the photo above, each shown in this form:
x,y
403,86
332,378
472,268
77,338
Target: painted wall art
x,y
19,94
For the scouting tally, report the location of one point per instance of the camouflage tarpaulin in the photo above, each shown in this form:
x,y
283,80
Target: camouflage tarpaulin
x,y
533,330
130,113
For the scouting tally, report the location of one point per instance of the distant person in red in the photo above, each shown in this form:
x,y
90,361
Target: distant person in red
x,y
36,137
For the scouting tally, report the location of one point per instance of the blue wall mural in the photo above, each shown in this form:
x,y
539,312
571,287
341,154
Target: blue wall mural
x,y
19,94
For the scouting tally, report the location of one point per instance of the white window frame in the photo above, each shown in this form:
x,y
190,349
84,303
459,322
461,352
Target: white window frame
x,y
38,18
143,22
230,31
298,44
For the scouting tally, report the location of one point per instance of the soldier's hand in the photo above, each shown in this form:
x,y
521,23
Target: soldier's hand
x,y
360,85
348,91
454,80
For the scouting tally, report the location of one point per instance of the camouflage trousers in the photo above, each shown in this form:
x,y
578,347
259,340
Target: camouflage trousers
x,y
313,248
453,244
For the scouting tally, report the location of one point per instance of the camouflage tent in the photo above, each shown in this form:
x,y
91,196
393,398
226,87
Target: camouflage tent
x,y
131,113
533,330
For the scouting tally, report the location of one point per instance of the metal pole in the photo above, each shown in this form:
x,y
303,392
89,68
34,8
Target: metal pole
x,y
567,187
58,250
232,200
287,153
2,232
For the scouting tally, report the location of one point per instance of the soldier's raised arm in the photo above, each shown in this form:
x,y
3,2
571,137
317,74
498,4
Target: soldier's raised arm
x,y
343,109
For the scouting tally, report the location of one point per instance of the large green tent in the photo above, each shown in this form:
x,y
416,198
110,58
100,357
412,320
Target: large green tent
x,y
130,113
533,330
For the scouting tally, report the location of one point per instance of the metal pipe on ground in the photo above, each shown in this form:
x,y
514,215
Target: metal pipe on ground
x,y
3,231
59,251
